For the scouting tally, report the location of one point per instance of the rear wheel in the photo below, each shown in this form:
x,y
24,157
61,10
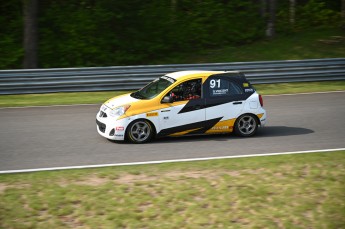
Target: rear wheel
x,y
140,131
246,125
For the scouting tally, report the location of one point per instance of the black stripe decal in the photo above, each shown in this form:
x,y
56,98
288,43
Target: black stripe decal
x,y
198,104
212,102
192,105
203,125
207,101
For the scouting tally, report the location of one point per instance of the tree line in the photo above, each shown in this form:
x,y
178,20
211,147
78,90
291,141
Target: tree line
x,y
71,33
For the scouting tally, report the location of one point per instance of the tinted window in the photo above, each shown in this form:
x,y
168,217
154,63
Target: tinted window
x,y
187,90
153,89
223,87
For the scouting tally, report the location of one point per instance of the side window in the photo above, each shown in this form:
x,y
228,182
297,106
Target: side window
x,y
219,87
187,90
235,89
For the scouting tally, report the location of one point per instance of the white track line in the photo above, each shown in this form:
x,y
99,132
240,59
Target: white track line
x,y
165,161
99,104
306,93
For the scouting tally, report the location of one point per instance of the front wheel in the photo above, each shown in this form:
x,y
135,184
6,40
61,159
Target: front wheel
x,y
246,125
140,131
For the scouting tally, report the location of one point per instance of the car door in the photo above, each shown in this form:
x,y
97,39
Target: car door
x,y
224,99
186,114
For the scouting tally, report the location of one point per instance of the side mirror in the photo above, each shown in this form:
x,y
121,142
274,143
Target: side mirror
x,y
167,99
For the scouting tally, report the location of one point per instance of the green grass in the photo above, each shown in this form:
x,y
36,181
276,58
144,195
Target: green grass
x,y
289,191
313,44
292,88
57,98
100,97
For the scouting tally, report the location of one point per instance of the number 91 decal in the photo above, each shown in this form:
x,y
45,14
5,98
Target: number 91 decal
x,y
214,83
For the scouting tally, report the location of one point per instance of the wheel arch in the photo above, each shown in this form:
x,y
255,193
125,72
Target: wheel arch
x,y
141,119
238,131
248,113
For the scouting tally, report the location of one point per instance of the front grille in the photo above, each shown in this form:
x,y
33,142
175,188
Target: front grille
x,y
101,126
102,114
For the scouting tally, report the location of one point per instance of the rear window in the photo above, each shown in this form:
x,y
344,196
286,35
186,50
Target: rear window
x,y
223,87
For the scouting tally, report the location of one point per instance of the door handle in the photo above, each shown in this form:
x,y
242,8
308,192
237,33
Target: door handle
x,y
237,103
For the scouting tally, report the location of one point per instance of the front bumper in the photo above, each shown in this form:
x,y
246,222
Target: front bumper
x,y
111,128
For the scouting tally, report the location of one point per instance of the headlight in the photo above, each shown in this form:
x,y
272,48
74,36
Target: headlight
x,y
104,108
118,111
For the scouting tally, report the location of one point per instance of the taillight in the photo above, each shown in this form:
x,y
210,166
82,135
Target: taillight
x,y
261,100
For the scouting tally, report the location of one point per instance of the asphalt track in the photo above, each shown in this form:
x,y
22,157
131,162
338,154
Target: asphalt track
x,y
62,136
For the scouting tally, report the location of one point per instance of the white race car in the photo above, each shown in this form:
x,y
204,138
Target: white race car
x,y
184,103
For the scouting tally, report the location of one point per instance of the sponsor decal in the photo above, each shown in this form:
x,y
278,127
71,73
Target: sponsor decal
x,y
248,90
220,92
118,135
153,114
220,128
120,128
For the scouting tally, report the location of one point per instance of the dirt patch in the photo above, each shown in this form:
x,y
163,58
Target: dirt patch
x,y
234,173
130,178
95,180
71,222
89,181
190,174
3,187
177,175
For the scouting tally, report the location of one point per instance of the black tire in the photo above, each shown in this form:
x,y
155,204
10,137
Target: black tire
x,y
140,131
246,125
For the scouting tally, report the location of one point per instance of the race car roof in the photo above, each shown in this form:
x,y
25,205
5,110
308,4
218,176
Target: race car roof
x,y
177,75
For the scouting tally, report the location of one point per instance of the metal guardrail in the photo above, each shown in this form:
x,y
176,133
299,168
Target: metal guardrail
x,y
133,77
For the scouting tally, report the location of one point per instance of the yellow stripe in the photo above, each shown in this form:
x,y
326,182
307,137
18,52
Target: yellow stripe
x,y
183,132
225,126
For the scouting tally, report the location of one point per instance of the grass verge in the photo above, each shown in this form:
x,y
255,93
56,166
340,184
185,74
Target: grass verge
x,y
292,88
100,97
61,98
288,191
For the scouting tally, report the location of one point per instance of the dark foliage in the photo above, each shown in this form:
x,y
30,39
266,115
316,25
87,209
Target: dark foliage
x,y
106,33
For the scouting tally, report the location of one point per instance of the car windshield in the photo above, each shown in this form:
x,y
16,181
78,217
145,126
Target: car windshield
x,y
154,88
